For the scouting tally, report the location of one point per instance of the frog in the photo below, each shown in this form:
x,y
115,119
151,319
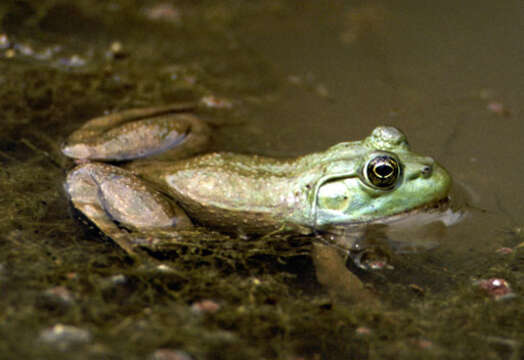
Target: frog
x,y
147,169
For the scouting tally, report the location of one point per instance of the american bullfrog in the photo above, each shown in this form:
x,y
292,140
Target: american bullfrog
x,y
166,186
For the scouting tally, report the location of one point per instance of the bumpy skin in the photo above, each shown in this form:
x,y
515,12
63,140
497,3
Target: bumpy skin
x,y
235,192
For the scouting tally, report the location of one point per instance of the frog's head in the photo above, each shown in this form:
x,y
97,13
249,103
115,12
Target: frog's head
x,y
376,178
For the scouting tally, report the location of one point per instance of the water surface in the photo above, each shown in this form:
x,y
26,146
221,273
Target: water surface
x,y
301,77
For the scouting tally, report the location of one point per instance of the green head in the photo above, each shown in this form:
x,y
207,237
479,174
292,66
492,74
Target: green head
x,y
375,178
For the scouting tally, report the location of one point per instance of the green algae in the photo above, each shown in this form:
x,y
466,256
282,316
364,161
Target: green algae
x,y
270,305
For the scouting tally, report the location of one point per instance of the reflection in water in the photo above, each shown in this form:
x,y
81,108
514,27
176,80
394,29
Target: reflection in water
x,y
371,246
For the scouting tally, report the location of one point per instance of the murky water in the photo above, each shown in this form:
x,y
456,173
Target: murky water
x,y
300,77
450,76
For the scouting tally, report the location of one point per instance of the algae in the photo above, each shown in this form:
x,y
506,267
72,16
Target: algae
x,y
57,269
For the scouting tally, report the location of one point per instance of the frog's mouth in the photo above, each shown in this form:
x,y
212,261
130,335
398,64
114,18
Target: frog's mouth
x,y
446,210
408,230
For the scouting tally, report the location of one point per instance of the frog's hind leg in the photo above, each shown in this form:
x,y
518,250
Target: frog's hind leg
x,y
164,132
118,202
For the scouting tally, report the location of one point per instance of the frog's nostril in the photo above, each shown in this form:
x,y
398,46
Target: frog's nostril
x,y
426,170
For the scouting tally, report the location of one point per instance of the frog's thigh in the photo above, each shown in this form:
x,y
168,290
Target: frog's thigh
x,y
107,194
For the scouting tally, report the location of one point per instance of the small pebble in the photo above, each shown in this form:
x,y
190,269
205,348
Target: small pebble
x,y
59,294
498,108
164,268
72,61
363,330
294,79
118,279
417,289
45,54
4,41
504,251
205,306
214,102
64,336
496,288
424,344
169,354
24,49
163,12
117,50
72,276
322,90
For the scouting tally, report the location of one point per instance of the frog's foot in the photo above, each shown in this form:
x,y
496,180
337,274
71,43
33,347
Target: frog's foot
x,y
120,203
160,132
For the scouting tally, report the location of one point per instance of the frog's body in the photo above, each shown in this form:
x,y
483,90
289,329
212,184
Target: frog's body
x,y
353,182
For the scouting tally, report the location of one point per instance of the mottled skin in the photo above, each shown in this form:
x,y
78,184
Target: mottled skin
x,y
238,193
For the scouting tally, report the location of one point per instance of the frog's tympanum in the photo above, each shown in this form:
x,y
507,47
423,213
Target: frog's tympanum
x,y
362,181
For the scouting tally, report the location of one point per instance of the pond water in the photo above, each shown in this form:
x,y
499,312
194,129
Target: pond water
x,y
282,79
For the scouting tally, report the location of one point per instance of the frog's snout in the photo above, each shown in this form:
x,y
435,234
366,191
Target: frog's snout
x,y
423,170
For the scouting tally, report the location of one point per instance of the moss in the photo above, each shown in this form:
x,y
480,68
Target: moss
x,y
270,305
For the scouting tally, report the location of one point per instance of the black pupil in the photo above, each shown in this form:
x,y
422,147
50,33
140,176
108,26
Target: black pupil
x,y
383,171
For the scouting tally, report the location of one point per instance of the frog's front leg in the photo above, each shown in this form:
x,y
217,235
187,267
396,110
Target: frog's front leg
x,y
118,202
160,132
341,284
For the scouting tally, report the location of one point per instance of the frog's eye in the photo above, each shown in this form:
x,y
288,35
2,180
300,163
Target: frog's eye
x,y
382,171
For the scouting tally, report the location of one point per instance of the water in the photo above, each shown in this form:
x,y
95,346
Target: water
x,y
301,77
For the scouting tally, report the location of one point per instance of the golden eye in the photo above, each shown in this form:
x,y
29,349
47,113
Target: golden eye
x,y
383,171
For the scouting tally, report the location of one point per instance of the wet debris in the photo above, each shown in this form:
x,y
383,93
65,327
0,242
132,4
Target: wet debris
x,y
116,288
322,90
165,268
118,279
363,331
4,41
504,251
59,295
54,54
495,106
496,288
24,49
417,289
170,354
498,108
64,336
165,12
116,51
114,281
213,102
72,61
205,307
423,344
72,276
10,53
